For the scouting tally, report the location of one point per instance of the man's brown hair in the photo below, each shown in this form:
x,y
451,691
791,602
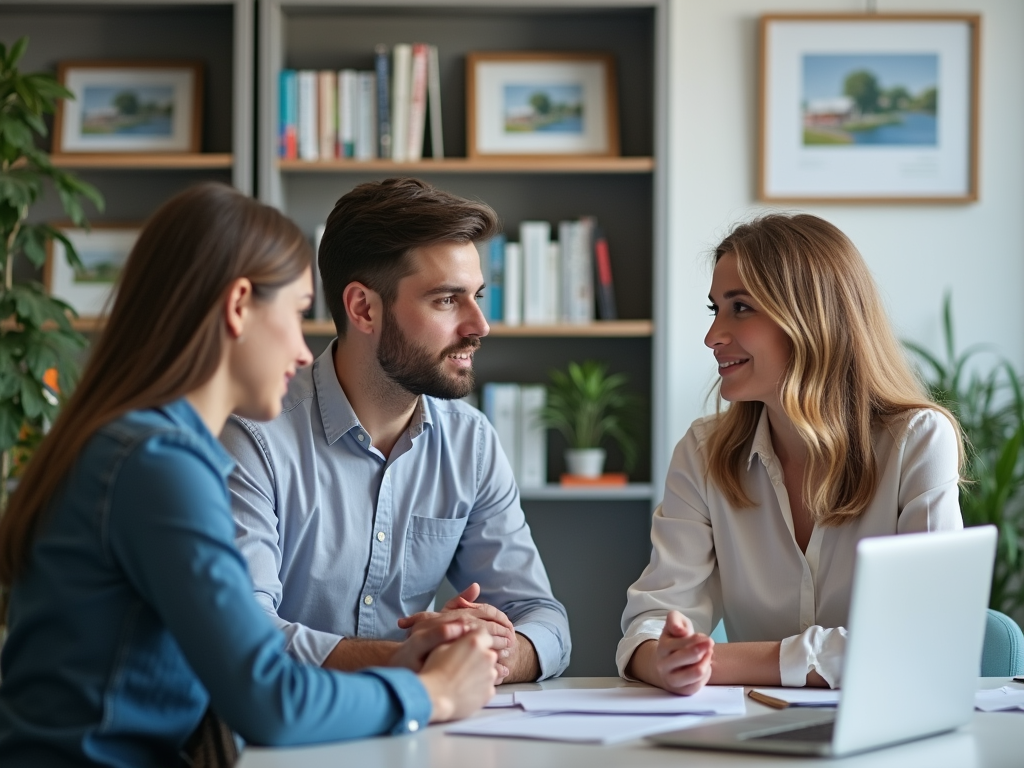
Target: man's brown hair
x,y
372,230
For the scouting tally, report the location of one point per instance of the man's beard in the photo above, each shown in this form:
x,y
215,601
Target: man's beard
x,y
419,371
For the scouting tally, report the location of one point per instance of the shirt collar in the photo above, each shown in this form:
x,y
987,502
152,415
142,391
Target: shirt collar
x,y
336,411
182,414
762,444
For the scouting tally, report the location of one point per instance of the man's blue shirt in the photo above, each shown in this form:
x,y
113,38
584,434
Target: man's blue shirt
x,y
342,542
136,612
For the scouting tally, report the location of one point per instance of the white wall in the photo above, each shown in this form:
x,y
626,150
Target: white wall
x,y
916,252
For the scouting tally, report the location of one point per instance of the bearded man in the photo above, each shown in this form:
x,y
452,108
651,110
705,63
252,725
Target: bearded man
x,y
376,481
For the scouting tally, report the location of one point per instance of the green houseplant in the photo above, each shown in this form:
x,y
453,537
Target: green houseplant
x,y
36,334
990,407
588,405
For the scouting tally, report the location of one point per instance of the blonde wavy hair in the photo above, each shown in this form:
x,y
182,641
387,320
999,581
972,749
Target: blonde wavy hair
x,y
847,370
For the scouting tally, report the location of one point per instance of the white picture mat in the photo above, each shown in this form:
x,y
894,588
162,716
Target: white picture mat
x,y
491,78
88,299
181,80
793,170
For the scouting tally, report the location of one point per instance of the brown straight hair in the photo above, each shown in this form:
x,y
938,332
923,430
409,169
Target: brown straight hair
x,y
373,228
847,371
164,336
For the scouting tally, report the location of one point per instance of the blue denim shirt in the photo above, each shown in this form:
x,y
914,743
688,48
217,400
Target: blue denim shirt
x,y
137,611
342,542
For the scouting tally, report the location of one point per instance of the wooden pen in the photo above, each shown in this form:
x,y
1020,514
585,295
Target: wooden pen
x,y
767,700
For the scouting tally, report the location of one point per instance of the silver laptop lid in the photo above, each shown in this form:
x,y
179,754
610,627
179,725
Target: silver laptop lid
x,y
930,591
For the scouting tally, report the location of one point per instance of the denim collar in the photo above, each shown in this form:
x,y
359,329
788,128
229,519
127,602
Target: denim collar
x,y
182,414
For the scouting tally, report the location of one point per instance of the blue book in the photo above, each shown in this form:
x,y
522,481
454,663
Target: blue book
x,y
383,66
288,114
496,288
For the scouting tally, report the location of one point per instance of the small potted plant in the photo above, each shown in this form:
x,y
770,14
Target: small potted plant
x,y
588,406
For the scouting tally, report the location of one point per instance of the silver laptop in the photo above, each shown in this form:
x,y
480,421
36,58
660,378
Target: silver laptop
x,y
917,623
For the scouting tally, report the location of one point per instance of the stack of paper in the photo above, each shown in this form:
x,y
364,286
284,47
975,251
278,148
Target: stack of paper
x,y
602,715
1000,699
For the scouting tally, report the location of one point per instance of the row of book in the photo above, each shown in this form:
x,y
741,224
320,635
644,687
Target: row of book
x,y
513,410
538,281
363,115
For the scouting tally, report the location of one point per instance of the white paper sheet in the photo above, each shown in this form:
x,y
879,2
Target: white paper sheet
x,y
803,697
558,726
710,700
500,701
999,699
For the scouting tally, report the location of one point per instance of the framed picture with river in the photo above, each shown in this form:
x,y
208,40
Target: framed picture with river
x,y
869,108
129,106
89,284
534,104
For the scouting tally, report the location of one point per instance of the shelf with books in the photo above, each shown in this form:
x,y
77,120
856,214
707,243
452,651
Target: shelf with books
x,y
597,329
624,165
145,162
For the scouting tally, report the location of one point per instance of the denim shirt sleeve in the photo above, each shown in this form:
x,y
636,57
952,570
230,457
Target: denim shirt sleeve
x,y
498,552
170,530
253,494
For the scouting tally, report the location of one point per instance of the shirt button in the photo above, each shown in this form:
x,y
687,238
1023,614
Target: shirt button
x,y
414,725
360,438
381,536
368,599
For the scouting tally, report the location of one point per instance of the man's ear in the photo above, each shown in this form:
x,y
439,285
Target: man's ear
x,y
237,306
363,307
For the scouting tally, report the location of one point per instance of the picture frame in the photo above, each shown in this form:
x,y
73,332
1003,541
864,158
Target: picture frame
x,y
879,108
129,106
103,250
532,104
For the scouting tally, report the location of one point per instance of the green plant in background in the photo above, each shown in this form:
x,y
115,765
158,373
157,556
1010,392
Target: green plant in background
x,y
990,407
587,405
36,333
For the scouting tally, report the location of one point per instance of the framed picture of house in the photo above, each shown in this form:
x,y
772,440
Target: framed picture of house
x,y
869,108
529,103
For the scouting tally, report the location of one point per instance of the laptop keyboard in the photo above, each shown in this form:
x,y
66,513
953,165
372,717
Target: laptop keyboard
x,y
820,732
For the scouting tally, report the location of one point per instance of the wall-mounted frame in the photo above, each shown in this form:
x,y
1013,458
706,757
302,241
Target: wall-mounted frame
x,y
869,108
102,250
129,106
526,103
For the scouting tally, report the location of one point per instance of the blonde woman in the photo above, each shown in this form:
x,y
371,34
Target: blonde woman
x,y
131,609
829,438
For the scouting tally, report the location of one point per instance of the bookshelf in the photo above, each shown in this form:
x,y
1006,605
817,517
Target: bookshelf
x,y
608,527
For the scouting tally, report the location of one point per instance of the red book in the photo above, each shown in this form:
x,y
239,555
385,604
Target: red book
x,y
604,288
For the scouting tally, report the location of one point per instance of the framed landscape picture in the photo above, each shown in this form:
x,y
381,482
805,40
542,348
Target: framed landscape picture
x,y
871,108
103,251
134,106
521,104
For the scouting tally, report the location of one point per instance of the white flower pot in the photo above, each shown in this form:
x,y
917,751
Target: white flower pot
x,y
585,462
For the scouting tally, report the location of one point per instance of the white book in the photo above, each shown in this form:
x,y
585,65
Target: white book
x,y
417,103
483,249
553,284
534,237
533,437
346,113
401,78
434,104
366,114
502,408
513,305
309,126
582,268
327,108
320,311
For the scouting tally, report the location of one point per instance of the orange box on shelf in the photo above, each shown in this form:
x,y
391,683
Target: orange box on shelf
x,y
608,478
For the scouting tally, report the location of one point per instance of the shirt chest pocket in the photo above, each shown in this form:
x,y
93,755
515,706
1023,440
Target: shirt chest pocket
x,y
430,545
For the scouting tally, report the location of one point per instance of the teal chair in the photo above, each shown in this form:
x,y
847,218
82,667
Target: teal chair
x,y
1001,656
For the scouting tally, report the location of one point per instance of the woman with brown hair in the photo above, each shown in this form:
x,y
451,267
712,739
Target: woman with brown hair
x,y
829,438
130,610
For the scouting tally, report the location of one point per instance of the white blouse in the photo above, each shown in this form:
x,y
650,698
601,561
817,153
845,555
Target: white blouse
x,y
713,562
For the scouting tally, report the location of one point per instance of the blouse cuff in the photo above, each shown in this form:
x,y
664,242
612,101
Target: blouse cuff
x,y
412,698
817,649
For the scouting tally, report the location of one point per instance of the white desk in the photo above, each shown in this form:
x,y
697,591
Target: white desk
x,y
992,740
